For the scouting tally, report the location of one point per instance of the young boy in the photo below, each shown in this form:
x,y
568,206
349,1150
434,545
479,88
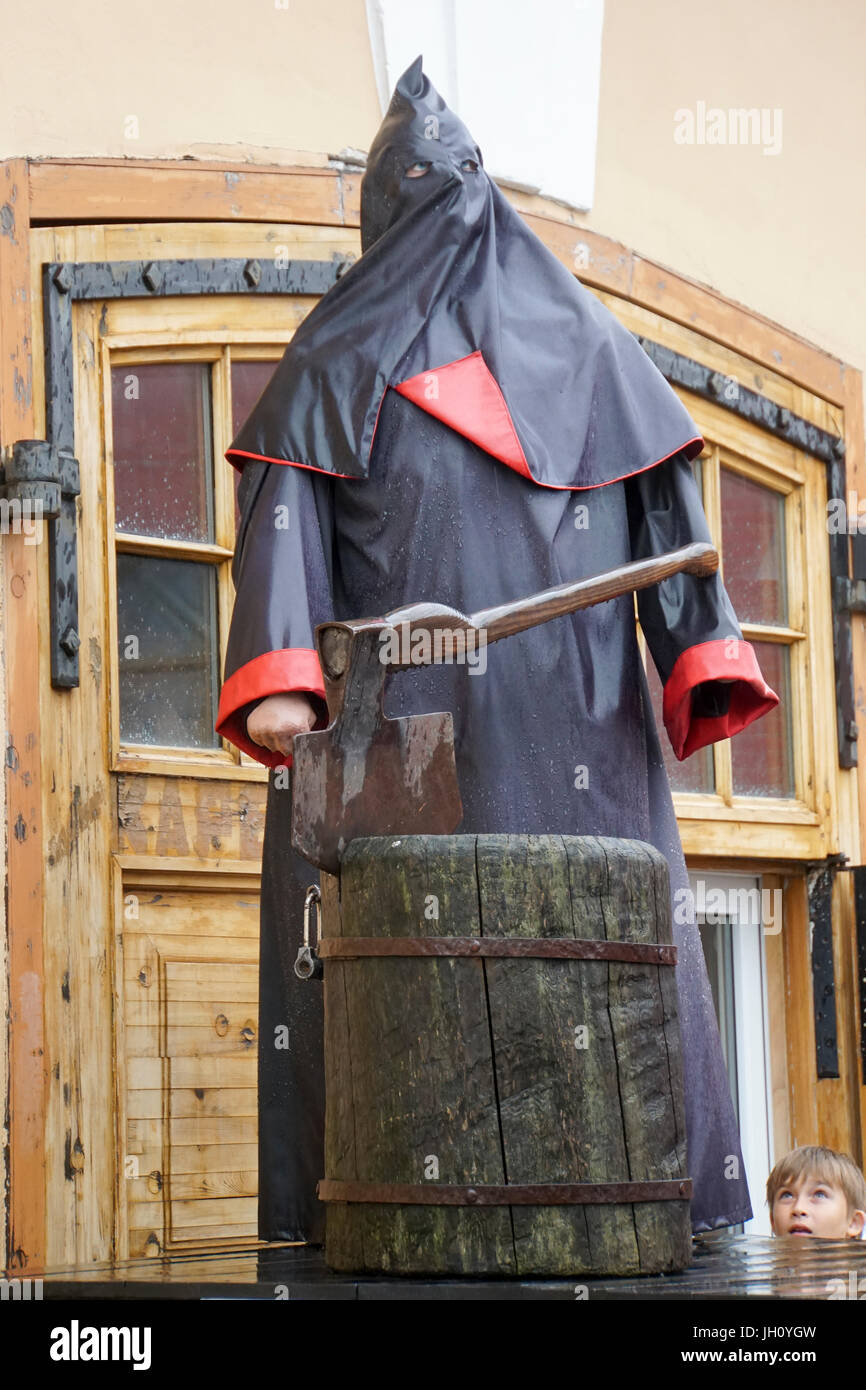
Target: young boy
x,y
814,1191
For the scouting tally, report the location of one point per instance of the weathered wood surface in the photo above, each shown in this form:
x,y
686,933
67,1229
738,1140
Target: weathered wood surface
x,y
189,1086
408,1063
469,1070
724,1267
174,816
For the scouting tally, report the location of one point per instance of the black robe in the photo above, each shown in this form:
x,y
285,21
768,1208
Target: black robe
x,y
438,518
432,432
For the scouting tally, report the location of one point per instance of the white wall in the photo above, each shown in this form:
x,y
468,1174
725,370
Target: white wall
x,y
532,105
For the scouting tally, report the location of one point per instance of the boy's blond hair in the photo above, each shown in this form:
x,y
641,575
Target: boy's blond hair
x,y
826,1165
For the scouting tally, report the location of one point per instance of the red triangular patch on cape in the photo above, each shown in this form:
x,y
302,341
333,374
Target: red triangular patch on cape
x,y
465,395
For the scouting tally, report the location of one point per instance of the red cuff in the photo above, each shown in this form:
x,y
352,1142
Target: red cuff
x,y
273,673
726,658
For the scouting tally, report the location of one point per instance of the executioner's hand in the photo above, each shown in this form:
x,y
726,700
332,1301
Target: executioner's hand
x,y
274,722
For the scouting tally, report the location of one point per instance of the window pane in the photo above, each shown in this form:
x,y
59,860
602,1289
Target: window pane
x,y
167,644
753,546
249,380
163,451
697,772
718,944
762,764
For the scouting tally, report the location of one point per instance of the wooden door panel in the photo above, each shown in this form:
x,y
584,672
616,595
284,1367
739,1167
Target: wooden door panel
x,y
191,1042
185,816
205,1016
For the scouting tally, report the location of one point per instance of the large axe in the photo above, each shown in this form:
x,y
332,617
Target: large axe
x,y
366,774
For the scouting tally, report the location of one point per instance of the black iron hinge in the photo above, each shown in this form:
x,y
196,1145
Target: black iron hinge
x,y
848,594
39,482
820,876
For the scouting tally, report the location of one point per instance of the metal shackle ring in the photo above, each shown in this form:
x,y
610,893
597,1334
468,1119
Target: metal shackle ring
x,y
308,965
313,895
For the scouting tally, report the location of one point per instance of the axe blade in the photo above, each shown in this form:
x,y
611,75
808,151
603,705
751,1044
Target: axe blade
x,y
403,780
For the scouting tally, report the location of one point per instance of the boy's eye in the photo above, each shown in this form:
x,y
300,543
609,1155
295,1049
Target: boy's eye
x,y
420,167
470,165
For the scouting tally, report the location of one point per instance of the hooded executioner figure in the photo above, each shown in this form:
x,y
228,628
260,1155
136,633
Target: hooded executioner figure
x,y
459,420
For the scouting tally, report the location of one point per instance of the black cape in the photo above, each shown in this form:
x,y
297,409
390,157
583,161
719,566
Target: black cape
x,y
458,306
438,506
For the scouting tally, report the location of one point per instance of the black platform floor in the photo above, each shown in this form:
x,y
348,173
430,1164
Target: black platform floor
x,y
723,1267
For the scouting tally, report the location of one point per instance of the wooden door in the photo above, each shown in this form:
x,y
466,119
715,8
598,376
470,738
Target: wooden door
x,y
153,824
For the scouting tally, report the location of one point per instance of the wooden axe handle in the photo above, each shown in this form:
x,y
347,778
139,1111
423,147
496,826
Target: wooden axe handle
x,y
507,618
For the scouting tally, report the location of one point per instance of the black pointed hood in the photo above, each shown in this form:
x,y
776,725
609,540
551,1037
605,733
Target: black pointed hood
x,y
418,126
460,308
